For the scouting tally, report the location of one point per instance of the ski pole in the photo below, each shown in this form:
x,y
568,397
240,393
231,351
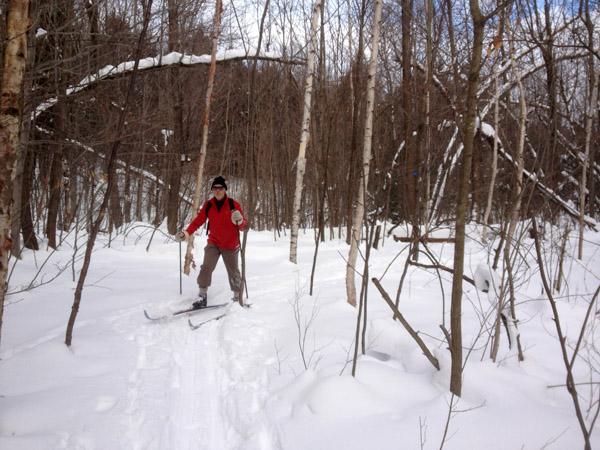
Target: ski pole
x,y
180,292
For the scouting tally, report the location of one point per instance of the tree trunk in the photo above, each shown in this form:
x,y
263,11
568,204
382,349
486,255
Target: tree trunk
x,y
29,238
590,111
55,183
116,213
462,199
429,7
14,60
355,88
490,196
366,160
177,147
202,156
305,136
411,159
18,204
139,211
127,193
53,199
510,246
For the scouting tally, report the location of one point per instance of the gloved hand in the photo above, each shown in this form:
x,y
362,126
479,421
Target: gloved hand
x,y
181,236
236,217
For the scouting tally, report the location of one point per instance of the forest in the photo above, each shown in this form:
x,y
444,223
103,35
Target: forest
x,y
416,125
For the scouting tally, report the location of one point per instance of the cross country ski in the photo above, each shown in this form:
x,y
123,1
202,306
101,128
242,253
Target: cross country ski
x,y
183,311
195,326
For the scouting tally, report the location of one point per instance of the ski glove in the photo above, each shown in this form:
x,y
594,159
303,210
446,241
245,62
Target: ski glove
x,y
182,236
236,217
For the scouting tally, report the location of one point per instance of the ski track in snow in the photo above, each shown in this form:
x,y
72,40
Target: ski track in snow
x,y
244,374
200,390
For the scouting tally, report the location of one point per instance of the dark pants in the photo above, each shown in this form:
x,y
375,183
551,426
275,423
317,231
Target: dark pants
x,y
230,258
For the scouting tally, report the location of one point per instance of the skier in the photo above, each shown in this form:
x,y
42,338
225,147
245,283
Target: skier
x,y
225,221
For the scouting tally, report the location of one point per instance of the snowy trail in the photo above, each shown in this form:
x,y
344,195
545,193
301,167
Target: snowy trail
x,y
202,389
193,404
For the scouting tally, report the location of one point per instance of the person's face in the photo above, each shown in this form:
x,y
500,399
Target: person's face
x,y
218,192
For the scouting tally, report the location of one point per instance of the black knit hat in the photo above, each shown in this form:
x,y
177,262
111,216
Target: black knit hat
x,y
219,181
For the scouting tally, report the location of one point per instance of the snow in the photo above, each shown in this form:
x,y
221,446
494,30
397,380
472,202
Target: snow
x,y
488,130
485,278
242,382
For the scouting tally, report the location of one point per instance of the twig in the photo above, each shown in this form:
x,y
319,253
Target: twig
x,y
432,359
551,386
444,268
582,331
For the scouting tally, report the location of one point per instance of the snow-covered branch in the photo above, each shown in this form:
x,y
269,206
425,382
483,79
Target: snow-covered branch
x,y
488,132
157,62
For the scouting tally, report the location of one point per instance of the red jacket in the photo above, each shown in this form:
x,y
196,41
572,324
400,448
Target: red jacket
x,y
222,232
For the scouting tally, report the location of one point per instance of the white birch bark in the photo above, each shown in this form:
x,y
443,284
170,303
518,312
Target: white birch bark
x,y
15,57
189,258
591,109
305,136
366,162
440,182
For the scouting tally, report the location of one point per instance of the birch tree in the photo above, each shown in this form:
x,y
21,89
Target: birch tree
x,y
305,136
189,257
14,60
359,210
591,109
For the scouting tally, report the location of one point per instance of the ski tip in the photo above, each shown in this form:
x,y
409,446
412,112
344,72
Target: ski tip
x,y
214,319
154,319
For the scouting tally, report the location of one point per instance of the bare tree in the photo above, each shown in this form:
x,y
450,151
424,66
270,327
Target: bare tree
x,y
14,60
469,125
110,163
494,172
510,247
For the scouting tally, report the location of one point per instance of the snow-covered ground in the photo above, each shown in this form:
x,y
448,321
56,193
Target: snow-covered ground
x,y
242,382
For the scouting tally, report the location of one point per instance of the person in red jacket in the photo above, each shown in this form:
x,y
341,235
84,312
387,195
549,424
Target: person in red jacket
x,y
225,221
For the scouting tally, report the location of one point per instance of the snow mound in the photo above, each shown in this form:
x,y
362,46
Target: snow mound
x,y
400,388
486,279
344,397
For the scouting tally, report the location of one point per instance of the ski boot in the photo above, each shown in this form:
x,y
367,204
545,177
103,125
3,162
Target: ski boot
x,y
201,302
